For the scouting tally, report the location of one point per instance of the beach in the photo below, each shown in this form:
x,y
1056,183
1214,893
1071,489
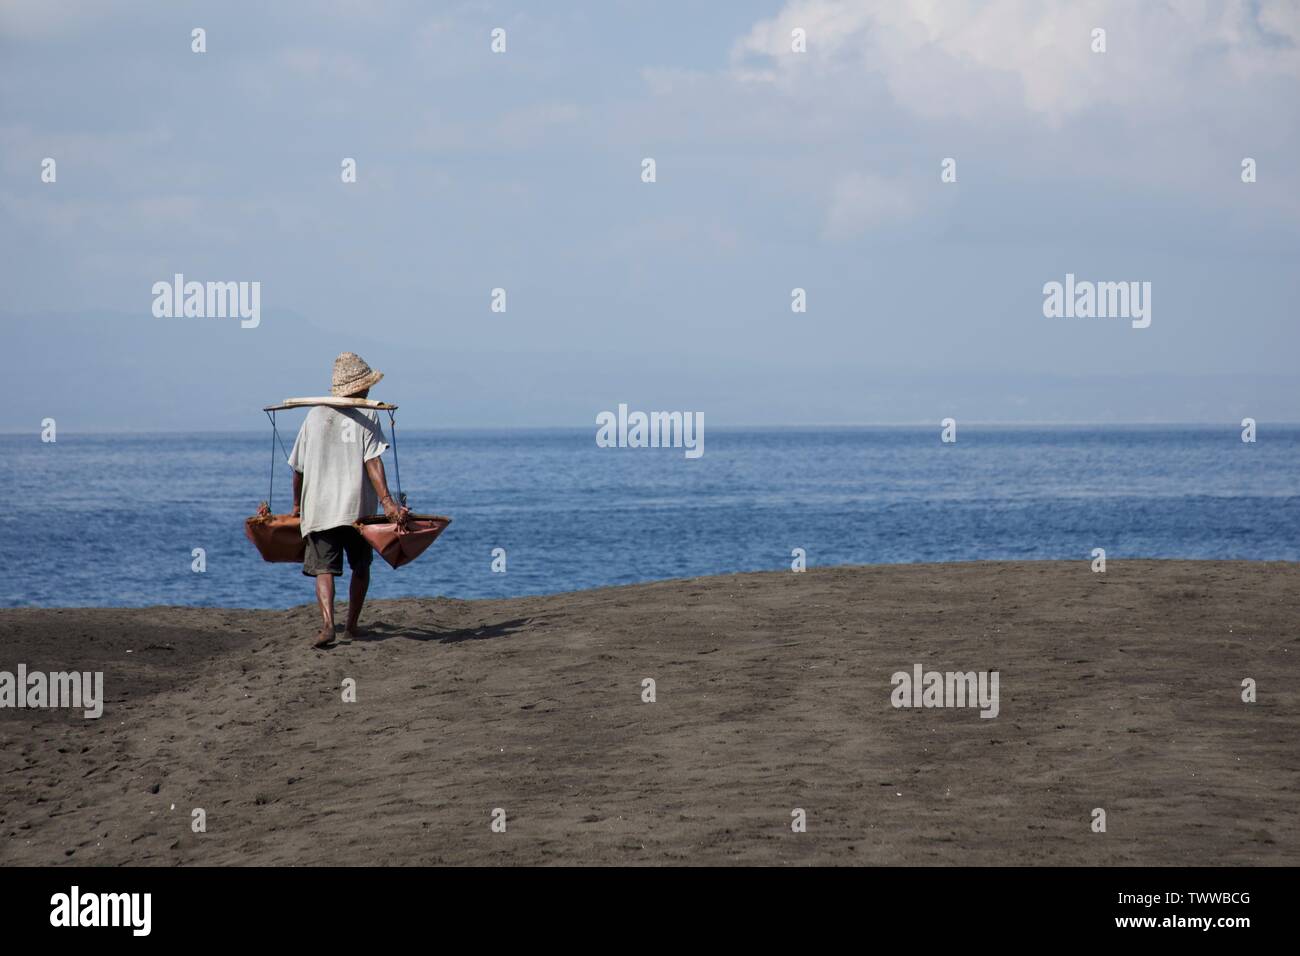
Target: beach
x,y
772,694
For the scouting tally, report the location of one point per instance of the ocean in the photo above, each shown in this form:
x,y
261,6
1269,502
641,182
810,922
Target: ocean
x,y
114,519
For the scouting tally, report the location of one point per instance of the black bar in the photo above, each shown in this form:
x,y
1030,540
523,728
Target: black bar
x,y
944,906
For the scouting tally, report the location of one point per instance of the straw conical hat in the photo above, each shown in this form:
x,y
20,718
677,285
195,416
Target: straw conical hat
x,y
352,375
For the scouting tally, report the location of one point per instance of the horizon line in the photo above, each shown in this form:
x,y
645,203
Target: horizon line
x,y
751,426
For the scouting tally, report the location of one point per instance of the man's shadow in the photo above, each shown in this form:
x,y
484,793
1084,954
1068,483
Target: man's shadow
x,y
384,632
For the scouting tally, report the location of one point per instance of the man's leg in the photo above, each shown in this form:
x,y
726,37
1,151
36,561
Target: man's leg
x,y
323,559
360,555
356,598
325,598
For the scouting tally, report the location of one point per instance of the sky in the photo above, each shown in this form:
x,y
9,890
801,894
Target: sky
x,y
775,170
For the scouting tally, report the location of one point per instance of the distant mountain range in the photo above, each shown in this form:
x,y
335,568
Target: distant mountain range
x,y
118,371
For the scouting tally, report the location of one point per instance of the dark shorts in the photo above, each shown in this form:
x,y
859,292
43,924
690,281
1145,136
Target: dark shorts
x,y
325,550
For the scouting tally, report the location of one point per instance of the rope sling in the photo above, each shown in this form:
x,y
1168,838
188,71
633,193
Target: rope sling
x,y
279,537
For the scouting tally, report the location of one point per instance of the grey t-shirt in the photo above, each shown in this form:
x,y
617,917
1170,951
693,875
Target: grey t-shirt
x,y
331,450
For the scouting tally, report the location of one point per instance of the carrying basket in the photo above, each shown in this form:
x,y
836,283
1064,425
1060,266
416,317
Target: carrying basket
x,y
276,537
399,543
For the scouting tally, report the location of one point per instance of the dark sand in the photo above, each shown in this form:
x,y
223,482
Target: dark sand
x,y
1118,690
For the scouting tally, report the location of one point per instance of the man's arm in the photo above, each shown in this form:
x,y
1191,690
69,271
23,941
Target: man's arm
x,y
297,493
375,470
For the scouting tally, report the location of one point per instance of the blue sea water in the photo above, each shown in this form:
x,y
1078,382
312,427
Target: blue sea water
x,y
112,519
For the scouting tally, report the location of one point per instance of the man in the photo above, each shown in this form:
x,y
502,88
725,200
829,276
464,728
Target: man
x,y
338,475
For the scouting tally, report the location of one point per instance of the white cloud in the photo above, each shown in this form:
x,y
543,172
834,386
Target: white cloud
x,y
1183,91
966,58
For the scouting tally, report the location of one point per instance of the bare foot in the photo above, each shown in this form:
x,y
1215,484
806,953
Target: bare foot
x,y
324,638
353,633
